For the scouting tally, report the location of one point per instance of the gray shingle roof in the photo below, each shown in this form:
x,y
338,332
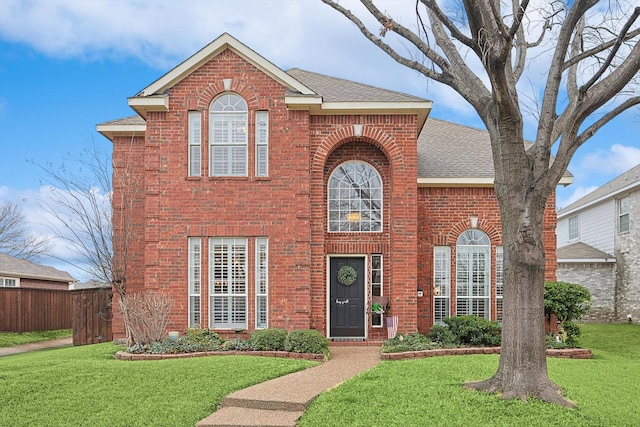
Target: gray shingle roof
x,y
450,150
581,251
131,120
21,268
333,89
630,178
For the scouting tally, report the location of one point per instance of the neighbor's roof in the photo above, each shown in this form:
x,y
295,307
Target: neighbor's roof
x,y
21,268
454,154
581,252
625,182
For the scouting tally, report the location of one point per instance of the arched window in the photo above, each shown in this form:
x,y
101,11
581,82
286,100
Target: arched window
x,y
355,198
228,136
473,265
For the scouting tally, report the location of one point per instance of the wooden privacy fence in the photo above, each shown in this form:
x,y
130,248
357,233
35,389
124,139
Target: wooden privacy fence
x,y
26,310
92,316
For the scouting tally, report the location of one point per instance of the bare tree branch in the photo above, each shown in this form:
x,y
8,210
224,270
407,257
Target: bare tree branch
x,y
16,239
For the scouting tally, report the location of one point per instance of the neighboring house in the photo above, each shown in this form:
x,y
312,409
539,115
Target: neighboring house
x,y
290,199
20,273
598,242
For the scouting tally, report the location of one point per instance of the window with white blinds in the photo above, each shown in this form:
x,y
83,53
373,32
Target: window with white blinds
x,y
262,143
194,282
262,283
441,283
228,136
195,141
228,283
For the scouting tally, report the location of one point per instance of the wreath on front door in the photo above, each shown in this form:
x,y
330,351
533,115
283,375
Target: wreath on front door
x,y
347,275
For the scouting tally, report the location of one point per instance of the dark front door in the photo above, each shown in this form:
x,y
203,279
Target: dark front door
x,y
346,300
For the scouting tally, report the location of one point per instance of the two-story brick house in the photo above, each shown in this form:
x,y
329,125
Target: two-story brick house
x,y
598,241
290,199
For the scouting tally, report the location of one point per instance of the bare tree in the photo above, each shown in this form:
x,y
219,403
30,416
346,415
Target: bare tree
x,y
16,239
595,58
96,227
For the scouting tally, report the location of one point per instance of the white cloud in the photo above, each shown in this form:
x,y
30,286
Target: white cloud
x,y
615,160
578,193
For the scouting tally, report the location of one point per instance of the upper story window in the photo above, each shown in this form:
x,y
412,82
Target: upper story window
x,y
262,143
195,139
623,214
573,227
355,198
228,136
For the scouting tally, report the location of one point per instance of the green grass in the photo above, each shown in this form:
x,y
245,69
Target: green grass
x,y
86,386
429,391
10,339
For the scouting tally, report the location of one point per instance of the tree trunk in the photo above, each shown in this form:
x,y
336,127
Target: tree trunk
x,y
522,371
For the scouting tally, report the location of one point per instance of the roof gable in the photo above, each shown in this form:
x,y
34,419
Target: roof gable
x,y
225,41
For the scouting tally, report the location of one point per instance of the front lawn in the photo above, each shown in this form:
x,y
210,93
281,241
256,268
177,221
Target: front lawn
x,y
429,391
86,386
10,339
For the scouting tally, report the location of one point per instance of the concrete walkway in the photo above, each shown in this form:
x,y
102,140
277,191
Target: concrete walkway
x,y
281,401
34,346
41,345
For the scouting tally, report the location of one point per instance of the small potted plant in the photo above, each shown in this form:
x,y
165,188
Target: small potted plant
x,y
377,308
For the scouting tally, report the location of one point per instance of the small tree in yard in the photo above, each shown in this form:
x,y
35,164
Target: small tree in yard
x,y
568,301
99,230
480,49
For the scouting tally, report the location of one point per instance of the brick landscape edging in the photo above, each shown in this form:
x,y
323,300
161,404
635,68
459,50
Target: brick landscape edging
x,y
567,353
123,355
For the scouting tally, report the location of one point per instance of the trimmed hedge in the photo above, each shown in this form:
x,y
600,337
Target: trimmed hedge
x,y
268,339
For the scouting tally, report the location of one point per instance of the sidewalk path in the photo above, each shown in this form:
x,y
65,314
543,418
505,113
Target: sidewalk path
x,y
281,401
41,345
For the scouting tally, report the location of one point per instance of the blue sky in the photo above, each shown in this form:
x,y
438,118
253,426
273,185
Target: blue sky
x,y
67,65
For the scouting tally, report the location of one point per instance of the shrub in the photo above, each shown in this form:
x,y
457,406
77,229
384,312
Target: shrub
x,y
474,330
443,335
203,336
409,342
306,341
569,302
146,316
268,339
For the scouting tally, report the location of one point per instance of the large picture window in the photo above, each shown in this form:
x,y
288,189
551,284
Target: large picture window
x,y
228,283
355,198
228,136
473,265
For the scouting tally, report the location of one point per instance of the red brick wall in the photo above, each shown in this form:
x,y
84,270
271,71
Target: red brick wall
x,y
43,284
389,144
444,214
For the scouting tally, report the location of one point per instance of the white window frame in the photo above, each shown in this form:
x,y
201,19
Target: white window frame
x,y
195,282
574,227
228,283
195,143
623,212
499,282
262,143
473,250
347,210
377,319
228,136
262,283
441,283
4,282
